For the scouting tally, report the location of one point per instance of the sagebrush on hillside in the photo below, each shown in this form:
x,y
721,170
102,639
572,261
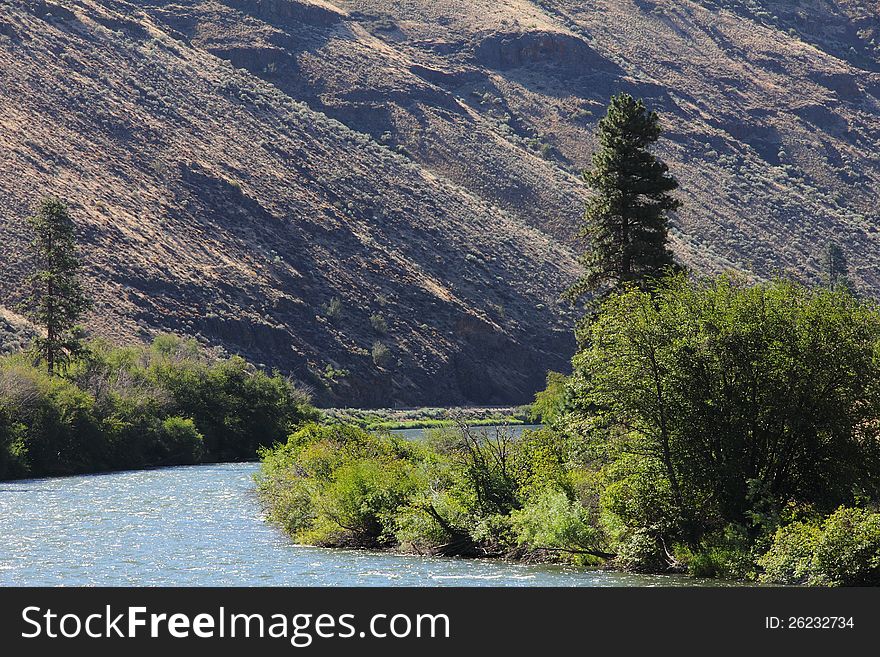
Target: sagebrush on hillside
x,y
239,164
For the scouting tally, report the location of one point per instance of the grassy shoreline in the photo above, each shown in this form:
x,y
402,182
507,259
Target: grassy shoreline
x,y
426,417
460,492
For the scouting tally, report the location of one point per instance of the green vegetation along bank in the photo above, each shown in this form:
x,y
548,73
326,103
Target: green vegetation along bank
x,y
120,408
709,426
424,418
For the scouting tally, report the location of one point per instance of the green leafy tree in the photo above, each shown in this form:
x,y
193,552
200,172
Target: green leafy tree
x,y
715,402
58,299
626,220
549,404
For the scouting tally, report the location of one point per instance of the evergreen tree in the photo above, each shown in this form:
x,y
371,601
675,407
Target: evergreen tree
x,y
626,218
58,299
835,269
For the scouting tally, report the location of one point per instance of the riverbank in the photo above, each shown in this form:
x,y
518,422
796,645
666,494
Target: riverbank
x,y
202,525
460,492
169,403
511,497
471,493
426,417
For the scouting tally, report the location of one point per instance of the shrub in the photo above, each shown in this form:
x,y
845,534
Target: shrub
x,y
790,559
236,408
554,521
848,553
381,355
460,492
340,485
512,493
332,375
482,469
56,426
13,450
363,497
641,550
333,309
842,550
118,408
378,323
180,441
433,520
726,555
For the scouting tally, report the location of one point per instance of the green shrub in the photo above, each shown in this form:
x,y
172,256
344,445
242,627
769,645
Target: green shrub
x,y
363,497
381,355
635,495
120,408
236,408
459,492
727,555
432,520
842,550
57,428
481,470
292,505
641,550
552,520
180,441
339,485
848,553
13,449
790,559
333,309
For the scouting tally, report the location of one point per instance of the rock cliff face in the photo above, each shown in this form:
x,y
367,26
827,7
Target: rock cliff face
x,y
380,197
506,51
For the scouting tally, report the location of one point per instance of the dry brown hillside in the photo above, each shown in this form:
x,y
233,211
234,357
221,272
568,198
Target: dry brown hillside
x,y
236,165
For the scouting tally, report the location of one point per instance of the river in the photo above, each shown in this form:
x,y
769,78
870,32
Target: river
x,y
202,526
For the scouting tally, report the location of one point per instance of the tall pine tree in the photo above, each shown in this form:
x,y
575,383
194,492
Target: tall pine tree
x,y
835,268
58,299
626,220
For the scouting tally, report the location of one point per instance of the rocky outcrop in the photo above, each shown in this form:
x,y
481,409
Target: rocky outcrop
x,y
289,12
564,51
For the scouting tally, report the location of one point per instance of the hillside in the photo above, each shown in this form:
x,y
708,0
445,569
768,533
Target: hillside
x,y
299,180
